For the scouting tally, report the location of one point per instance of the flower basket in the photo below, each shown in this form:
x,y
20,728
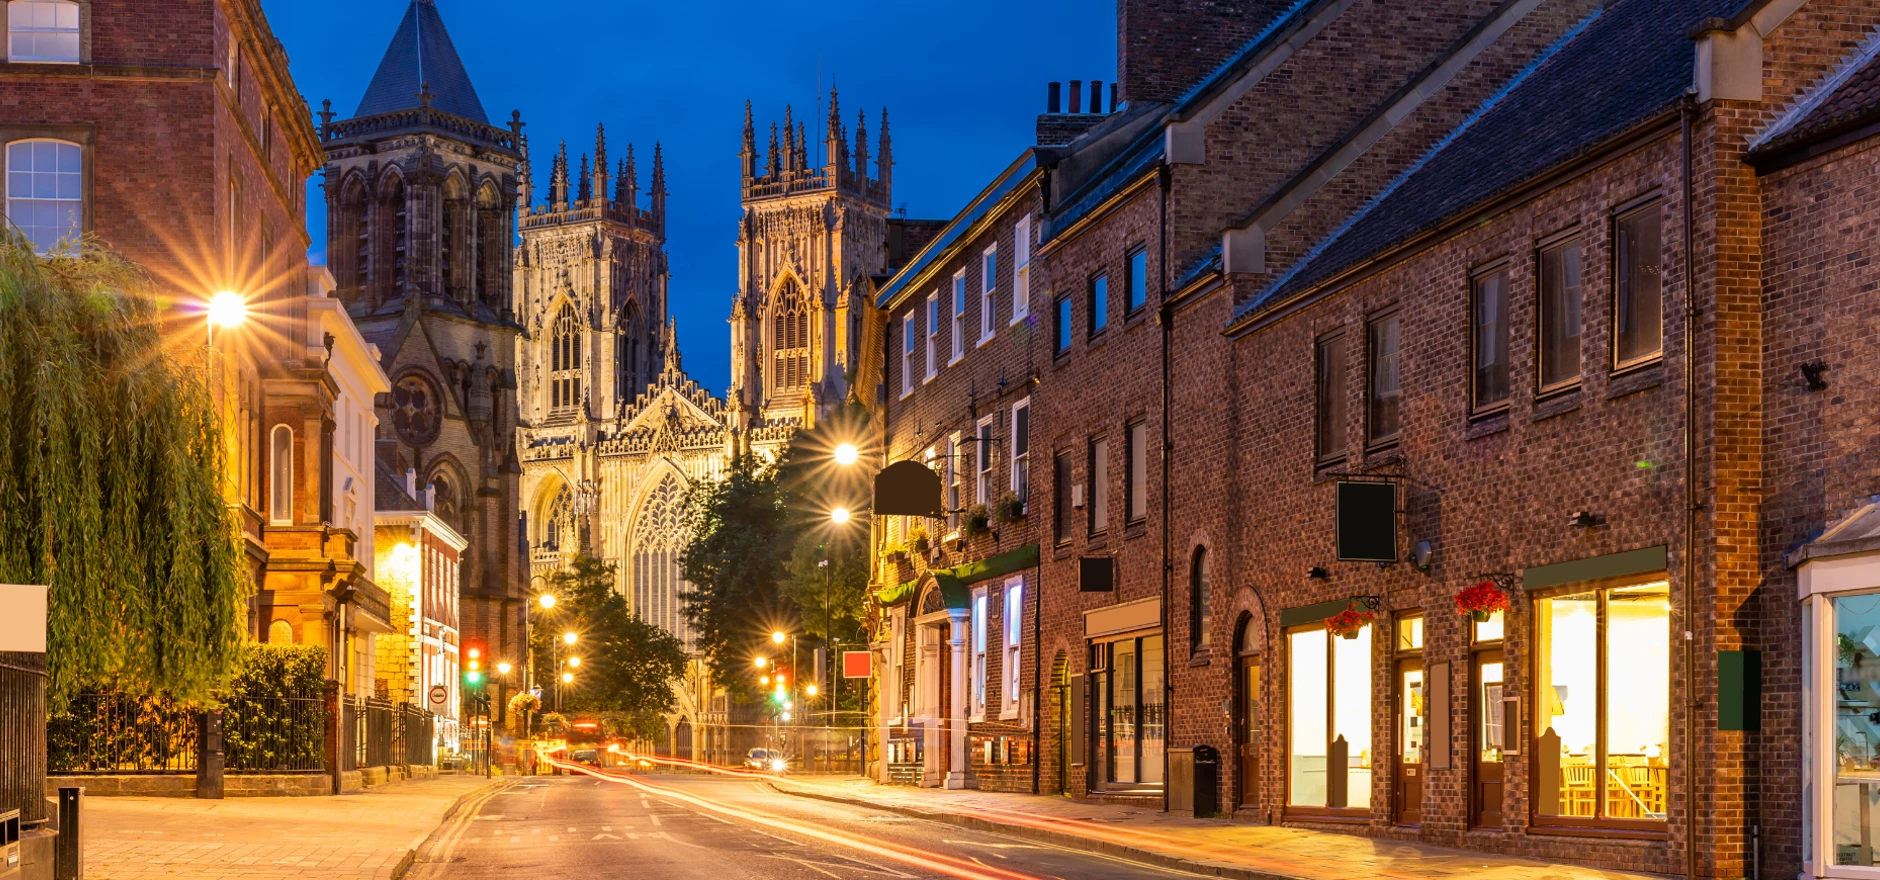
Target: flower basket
x,y
1348,623
1008,507
976,521
1482,601
919,542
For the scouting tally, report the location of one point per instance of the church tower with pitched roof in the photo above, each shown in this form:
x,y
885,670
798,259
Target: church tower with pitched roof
x,y
421,192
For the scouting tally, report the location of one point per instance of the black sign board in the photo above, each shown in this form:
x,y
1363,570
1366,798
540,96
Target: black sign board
x,y
907,488
1096,574
1367,521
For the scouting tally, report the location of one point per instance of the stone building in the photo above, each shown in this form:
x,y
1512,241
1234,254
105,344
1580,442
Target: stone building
x,y
421,194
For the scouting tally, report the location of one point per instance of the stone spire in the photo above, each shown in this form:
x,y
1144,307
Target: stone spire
x,y
802,148
600,162
836,141
789,141
747,154
886,160
585,189
672,347
629,182
775,157
861,145
558,181
525,179
659,186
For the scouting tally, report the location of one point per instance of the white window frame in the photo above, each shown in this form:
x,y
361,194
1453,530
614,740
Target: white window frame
x,y
976,677
6,158
909,333
988,291
77,30
1019,460
1014,620
959,317
281,476
982,460
1021,269
933,336
951,487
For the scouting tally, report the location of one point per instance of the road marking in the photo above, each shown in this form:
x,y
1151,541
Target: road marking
x,y
554,837
993,845
610,827
654,817
515,840
604,837
571,829
631,836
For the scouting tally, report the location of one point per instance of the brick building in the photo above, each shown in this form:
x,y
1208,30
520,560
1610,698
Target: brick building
x,y
1576,291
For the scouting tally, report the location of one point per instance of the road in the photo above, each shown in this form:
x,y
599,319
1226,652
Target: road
x,y
683,827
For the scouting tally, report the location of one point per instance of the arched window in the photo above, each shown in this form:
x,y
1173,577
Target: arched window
x,y
631,378
281,481
492,244
658,540
1199,615
558,520
352,248
45,191
789,342
45,31
456,239
564,361
388,240
444,501
280,632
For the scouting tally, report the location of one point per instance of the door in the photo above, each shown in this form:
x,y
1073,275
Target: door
x,y
1487,738
1412,733
1061,699
1247,733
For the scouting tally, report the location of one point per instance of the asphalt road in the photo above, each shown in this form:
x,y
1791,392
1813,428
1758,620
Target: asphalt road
x,y
677,827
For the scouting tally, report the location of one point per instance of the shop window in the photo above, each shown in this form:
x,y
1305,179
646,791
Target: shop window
x,y
1560,300
1329,712
1603,672
1128,679
1855,735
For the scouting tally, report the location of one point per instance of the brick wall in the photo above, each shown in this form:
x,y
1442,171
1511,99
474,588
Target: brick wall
x,y
1164,47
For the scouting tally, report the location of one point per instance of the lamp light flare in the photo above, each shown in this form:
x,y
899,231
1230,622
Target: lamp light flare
x,y
570,638
846,454
227,309
567,678
574,661
777,637
811,690
839,516
547,600
503,668
761,661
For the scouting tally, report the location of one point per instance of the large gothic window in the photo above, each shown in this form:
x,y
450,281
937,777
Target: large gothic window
x,y
456,239
388,241
658,540
790,340
492,232
564,361
558,521
632,377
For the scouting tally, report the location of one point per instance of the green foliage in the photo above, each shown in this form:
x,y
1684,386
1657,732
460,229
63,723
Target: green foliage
x,y
110,476
269,671
734,562
627,665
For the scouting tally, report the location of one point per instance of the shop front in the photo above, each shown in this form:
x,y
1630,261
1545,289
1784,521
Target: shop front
x,y
1839,580
1127,681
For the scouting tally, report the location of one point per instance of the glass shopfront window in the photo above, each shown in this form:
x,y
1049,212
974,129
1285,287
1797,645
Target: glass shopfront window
x,y
1602,706
1855,794
1329,719
1127,682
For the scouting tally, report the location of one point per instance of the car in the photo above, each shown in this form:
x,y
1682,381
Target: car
x,y
590,757
766,760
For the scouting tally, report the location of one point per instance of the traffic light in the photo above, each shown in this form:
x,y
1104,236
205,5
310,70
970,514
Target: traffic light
x,y
473,667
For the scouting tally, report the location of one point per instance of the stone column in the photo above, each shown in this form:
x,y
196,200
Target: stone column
x,y
956,710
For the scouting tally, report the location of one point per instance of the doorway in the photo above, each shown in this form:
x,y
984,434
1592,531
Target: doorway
x,y
1487,736
1412,722
1061,704
1247,714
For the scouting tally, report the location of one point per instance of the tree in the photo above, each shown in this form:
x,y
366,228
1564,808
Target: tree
x,y
627,665
740,538
110,481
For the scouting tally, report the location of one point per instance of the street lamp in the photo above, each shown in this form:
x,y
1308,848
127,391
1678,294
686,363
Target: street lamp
x,y
846,454
777,637
839,516
762,661
574,662
566,678
547,600
570,638
227,309
503,668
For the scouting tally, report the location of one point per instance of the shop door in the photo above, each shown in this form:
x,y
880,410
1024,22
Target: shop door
x,y
1248,732
1487,739
1412,732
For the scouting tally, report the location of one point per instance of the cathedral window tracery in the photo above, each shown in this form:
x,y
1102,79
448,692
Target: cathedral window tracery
x,y
658,540
415,409
558,520
790,342
564,368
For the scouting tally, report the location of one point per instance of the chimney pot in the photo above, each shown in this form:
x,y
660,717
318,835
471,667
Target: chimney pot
x,y
1077,96
411,482
1112,97
1096,96
1052,102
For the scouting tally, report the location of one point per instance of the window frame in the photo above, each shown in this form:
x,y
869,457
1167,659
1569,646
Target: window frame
x,y
1019,452
1559,242
1097,298
1021,269
1200,600
1012,663
1096,500
1325,452
1616,258
81,56
988,293
1372,440
280,476
60,137
1477,281
982,459
933,337
1064,317
1133,278
910,336
953,486
1063,481
976,675
1332,726
1135,473
958,302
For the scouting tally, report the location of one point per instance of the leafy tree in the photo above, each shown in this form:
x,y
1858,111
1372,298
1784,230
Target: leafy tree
x,y
740,538
627,665
110,481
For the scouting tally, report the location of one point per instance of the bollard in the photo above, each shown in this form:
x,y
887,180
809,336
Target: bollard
x,y
209,757
68,849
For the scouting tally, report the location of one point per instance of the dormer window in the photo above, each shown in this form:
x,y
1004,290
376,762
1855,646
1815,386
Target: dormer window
x,y
42,31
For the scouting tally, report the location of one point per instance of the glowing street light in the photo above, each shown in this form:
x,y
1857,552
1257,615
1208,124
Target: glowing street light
x,y
547,600
574,661
567,678
227,309
778,637
811,690
570,638
839,516
503,668
846,454
763,679
762,662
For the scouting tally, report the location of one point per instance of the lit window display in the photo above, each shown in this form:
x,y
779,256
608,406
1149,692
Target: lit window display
x,y
1856,729
1329,698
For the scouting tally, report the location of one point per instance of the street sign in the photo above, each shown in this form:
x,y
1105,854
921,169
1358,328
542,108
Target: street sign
x,y
439,694
855,664
23,626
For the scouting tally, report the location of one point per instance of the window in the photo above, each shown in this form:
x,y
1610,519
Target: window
x,y
236,225
45,191
1602,719
1489,339
1099,304
1127,684
933,335
564,367
1136,438
988,286
1021,269
1060,509
789,341
1329,420
1063,325
1383,417
1637,312
951,449
1138,279
978,674
959,316
281,480
1014,636
1560,314
44,31
1021,448
1200,614
1329,713
982,454
908,335
1097,506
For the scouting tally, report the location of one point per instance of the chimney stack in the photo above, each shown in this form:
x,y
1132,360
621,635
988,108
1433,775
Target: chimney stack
x,y
1096,96
1112,97
1077,96
411,482
1052,101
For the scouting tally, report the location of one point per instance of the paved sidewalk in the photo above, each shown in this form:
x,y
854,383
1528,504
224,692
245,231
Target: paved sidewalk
x,y
370,835
1206,846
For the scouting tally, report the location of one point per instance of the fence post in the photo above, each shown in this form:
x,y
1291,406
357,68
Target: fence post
x,y
333,733
209,757
68,849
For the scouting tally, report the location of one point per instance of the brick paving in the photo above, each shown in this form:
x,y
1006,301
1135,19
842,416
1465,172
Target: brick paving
x,y
1208,846
363,836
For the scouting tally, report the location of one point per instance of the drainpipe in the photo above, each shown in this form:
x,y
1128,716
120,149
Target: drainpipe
x,y
1166,319
1692,506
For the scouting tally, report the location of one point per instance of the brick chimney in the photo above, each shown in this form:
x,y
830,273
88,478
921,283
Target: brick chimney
x,y
1165,47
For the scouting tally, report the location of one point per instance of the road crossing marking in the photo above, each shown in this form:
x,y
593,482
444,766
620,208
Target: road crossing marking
x,y
604,837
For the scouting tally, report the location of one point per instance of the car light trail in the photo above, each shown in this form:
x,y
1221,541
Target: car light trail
x,y
926,860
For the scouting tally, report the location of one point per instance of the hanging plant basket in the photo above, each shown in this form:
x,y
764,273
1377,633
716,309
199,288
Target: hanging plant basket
x,y
1482,601
1348,623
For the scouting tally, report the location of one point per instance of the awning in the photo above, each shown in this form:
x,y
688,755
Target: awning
x,y
953,581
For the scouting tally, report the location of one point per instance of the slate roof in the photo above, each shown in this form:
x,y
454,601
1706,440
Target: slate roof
x,y
422,54
1619,68
1847,99
936,249
388,490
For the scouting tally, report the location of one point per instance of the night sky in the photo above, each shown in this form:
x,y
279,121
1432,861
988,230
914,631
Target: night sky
x,y
963,82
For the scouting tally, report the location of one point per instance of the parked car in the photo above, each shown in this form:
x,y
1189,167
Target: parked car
x,y
590,757
766,760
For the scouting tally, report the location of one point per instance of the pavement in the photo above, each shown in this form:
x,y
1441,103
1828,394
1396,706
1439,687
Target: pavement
x,y
371,835
1215,847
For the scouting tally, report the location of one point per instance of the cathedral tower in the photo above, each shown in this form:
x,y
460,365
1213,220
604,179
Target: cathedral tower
x,y
814,231
421,195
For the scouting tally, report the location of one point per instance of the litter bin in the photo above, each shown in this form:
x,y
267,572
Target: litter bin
x,y
1207,780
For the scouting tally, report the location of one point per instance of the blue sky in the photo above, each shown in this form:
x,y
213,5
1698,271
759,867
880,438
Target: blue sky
x,y
963,82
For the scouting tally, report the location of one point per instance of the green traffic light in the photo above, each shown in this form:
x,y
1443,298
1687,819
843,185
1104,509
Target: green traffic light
x,y
778,696
473,677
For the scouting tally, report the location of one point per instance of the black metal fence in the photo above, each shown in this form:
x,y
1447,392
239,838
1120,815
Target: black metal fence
x,y
275,735
414,735
118,733
23,736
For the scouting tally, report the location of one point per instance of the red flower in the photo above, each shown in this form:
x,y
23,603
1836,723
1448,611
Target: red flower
x,y
1348,622
1485,598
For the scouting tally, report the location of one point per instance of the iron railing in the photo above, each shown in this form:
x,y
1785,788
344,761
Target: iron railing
x,y
378,733
23,730
120,733
275,735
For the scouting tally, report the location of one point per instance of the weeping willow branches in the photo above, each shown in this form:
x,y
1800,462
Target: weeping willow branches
x,y
110,478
